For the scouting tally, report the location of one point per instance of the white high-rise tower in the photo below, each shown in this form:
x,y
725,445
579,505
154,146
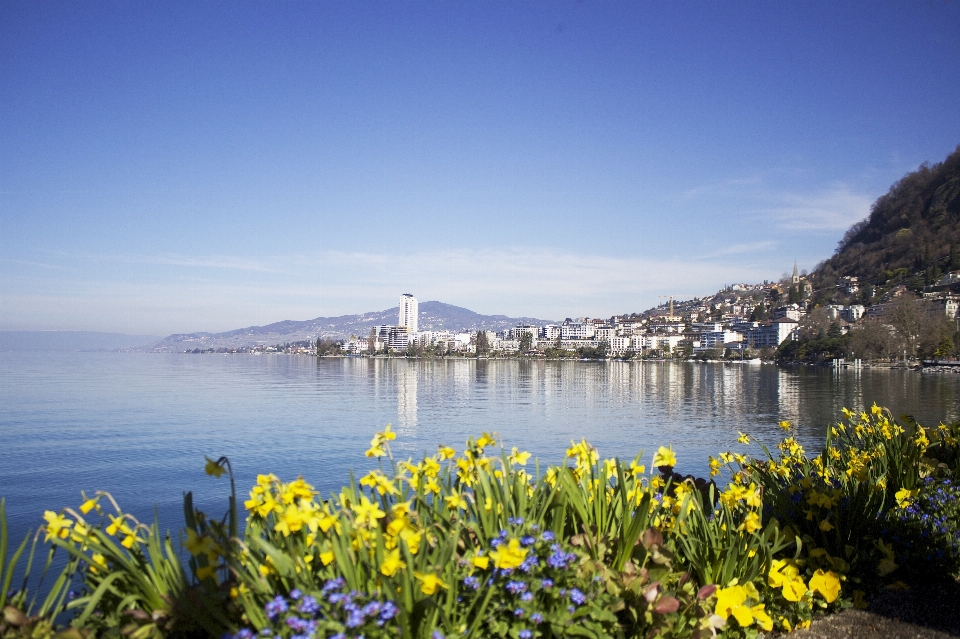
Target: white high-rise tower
x,y
409,310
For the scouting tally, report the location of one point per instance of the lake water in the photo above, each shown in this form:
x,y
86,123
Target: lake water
x,y
139,425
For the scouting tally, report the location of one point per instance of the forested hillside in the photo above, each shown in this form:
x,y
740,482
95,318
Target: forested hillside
x,y
911,236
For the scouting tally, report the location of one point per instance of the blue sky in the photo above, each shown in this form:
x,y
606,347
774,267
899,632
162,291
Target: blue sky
x,y
174,167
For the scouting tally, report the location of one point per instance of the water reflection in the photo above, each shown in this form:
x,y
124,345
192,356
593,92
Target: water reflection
x,y
407,399
108,417
628,406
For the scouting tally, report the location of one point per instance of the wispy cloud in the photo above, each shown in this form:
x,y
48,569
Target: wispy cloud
x,y
743,249
720,187
834,209
531,282
227,262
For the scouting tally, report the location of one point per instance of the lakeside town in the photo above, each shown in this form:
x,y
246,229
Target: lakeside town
x,y
741,322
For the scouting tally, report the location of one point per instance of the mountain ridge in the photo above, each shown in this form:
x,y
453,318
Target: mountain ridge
x,y
911,236
433,315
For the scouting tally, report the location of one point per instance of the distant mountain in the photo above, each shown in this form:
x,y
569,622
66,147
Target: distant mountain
x,y
911,236
433,316
67,341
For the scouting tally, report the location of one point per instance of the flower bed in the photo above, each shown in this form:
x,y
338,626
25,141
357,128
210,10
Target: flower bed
x,y
474,544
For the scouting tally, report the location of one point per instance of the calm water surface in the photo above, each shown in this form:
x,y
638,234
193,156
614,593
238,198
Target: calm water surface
x,y
139,425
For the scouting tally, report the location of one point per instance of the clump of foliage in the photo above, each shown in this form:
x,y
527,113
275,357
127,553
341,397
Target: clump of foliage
x,y
473,544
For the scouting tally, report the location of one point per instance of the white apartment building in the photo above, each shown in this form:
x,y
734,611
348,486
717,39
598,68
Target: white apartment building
x,y
773,334
398,339
619,345
576,330
505,345
409,312
707,327
658,341
551,331
793,311
604,333
717,339
520,330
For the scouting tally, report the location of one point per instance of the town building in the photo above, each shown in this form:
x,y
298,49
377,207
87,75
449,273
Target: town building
x,y
409,313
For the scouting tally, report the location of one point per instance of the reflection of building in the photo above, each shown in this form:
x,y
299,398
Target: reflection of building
x,y
409,309
407,398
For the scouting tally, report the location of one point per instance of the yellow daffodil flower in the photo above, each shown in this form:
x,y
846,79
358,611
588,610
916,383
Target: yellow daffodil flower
x,y
664,457
751,523
89,505
715,466
637,470
198,545
455,500
213,468
387,434
367,513
392,563
446,452
516,457
97,559
429,582
485,439
57,525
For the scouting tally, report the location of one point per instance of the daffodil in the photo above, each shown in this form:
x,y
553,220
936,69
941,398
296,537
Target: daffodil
x,y
751,523
392,563
664,457
198,545
97,560
129,540
57,525
430,467
213,468
743,438
387,434
118,525
516,457
715,466
455,500
429,582
89,505
367,513
485,440
446,452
